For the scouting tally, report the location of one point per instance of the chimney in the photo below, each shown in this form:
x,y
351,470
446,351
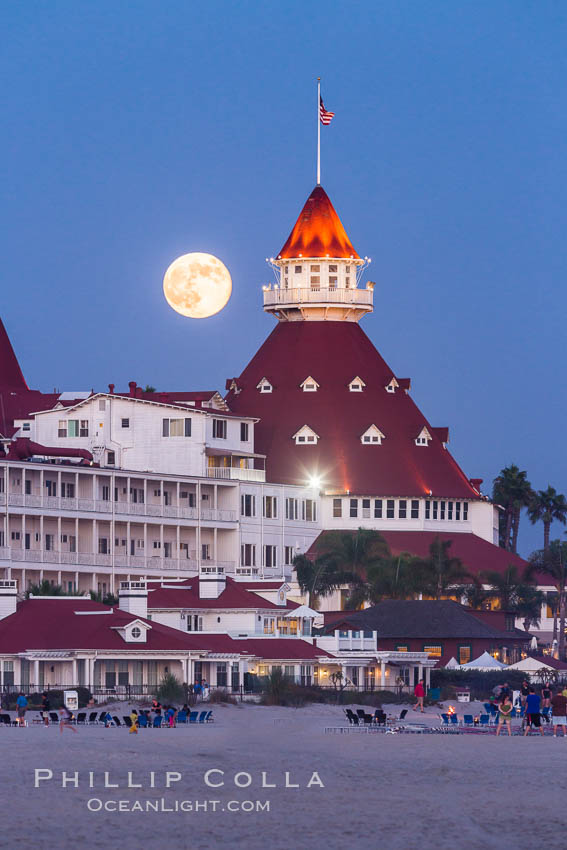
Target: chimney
x,y
212,582
132,385
139,392
111,389
8,597
133,598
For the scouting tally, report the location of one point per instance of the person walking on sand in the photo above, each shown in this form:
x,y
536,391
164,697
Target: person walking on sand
x,y
559,708
133,722
533,707
419,694
504,714
21,706
65,721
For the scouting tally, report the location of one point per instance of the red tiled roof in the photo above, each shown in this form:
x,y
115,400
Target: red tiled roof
x,y
11,376
318,231
53,624
333,353
281,648
185,594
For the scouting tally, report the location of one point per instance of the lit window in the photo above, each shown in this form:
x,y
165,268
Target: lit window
x,y
465,654
434,650
176,428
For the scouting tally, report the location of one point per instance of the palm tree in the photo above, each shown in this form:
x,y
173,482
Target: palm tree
x,y
474,593
45,588
342,558
106,599
515,593
513,491
393,577
439,574
546,506
552,562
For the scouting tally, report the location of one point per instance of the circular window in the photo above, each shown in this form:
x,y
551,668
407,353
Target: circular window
x,y
136,632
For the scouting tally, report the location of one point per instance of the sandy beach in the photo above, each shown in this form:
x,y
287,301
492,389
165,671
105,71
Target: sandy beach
x,y
394,791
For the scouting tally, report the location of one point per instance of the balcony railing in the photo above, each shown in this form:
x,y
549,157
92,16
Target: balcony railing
x,y
235,473
104,506
360,297
96,559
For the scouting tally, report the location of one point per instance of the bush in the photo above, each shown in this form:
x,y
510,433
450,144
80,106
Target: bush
x,y
55,699
221,695
170,690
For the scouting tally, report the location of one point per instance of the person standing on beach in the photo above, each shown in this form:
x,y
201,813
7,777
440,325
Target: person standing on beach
x,y
524,691
546,694
419,694
133,722
21,706
65,721
559,708
533,704
45,706
504,714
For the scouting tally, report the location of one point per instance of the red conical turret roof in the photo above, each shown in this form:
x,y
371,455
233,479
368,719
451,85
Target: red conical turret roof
x,y
11,376
333,354
318,231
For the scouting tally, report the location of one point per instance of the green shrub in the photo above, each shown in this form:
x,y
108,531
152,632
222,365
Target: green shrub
x,y
170,690
55,699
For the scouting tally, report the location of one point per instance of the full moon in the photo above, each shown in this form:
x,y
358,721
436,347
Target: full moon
x,y
197,285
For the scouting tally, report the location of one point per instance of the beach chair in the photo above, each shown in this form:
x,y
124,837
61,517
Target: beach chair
x,y
102,717
209,718
182,717
360,712
81,718
92,717
380,717
203,716
403,713
468,720
193,716
488,707
5,720
351,717
157,721
53,717
127,721
444,720
484,719
142,721
116,720
454,718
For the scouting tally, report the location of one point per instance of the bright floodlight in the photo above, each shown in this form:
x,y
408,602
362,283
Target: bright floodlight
x,y
315,481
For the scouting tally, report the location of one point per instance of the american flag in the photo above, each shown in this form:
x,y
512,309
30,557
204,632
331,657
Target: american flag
x,y
326,117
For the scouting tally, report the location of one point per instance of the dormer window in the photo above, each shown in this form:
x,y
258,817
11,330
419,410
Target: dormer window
x,y
298,269
136,633
264,386
309,385
306,436
423,437
356,385
373,436
392,386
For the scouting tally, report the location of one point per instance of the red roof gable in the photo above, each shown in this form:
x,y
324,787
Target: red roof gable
x,y
318,231
11,376
333,353
185,594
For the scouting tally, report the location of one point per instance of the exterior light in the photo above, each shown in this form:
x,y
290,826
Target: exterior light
x,y
315,481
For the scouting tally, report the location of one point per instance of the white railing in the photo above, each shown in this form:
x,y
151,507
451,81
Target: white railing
x,y
94,559
235,473
135,508
363,297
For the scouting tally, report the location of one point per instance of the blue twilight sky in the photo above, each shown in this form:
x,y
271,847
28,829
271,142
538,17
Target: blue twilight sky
x,y
135,132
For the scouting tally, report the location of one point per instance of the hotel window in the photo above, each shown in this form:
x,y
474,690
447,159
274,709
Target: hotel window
x,y
269,625
343,633
315,282
316,268
102,404
353,508
457,511
449,510
244,432
333,268
15,535
288,555
415,509
206,552
366,508
289,671
435,510
176,428
110,458
442,510
332,282
347,282
103,547
219,429
337,508
125,423
194,623
402,509
67,490
105,493
465,654
248,555
390,509
291,509
465,511
309,386
221,674
434,649
428,510
286,282
247,505
377,508
270,507
28,487
309,510
270,556
297,269
286,269
264,386
26,426
402,648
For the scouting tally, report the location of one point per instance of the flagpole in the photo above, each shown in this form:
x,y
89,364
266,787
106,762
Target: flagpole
x,y
318,131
